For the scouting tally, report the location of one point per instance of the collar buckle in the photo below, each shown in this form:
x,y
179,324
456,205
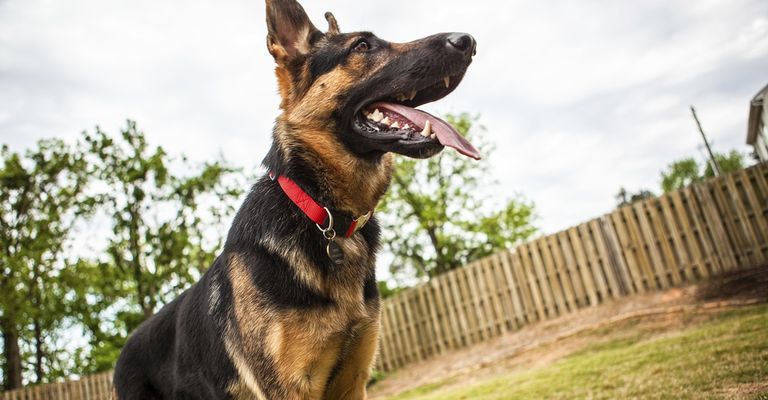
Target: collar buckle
x,y
362,220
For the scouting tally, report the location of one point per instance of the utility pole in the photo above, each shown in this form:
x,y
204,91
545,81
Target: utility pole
x,y
715,165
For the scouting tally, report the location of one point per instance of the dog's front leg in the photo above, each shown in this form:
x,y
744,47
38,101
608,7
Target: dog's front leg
x,y
355,370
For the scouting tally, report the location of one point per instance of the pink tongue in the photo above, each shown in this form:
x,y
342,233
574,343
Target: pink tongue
x,y
446,134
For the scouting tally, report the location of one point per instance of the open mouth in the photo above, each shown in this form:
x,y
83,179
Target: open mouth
x,y
394,118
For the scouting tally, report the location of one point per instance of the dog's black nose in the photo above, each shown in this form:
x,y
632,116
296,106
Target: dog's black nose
x,y
462,42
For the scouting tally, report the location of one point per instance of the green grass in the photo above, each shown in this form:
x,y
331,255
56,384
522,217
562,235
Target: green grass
x,y
708,360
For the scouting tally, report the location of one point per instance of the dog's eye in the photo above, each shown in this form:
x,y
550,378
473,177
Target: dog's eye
x,y
361,46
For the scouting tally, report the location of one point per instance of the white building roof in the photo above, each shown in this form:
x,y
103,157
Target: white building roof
x,y
756,114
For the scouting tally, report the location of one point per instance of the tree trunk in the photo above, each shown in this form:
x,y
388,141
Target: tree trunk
x,y
12,352
39,354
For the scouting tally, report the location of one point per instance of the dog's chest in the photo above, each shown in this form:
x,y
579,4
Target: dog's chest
x,y
304,344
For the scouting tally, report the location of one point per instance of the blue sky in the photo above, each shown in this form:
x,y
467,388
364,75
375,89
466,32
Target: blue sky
x,y
580,98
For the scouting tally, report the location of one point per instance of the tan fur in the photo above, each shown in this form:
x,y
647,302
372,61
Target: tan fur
x,y
350,382
304,345
304,350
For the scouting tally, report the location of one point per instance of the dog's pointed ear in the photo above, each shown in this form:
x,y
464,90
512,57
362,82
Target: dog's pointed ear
x,y
290,33
333,26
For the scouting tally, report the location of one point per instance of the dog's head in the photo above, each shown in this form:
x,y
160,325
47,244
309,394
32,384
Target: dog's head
x,y
356,93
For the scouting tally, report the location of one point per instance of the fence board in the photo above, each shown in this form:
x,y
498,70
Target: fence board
x,y
616,260
519,317
679,246
468,302
656,264
433,323
593,262
604,256
713,233
449,326
752,227
529,270
701,244
553,275
565,280
541,280
489,273
659,225
583,272
505,298
570,266
484,297
726,209
629,252
460,310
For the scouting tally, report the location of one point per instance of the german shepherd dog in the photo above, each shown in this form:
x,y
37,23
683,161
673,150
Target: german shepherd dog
x,y
290,308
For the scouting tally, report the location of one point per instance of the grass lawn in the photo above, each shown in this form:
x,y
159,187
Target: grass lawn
x,y
725,356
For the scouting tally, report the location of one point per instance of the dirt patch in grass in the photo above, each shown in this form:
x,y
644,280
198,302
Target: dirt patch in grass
x,y
609,326
747,391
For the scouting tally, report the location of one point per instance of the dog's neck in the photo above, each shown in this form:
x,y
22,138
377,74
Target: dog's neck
x,y
328,171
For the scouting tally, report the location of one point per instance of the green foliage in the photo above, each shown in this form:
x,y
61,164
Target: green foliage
x,y
730,162
166,228
376,376
43,194
685,172
386,291
160,222
439,213
680,174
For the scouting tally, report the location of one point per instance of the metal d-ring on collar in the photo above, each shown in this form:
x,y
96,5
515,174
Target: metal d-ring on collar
x,y
329,233
314,211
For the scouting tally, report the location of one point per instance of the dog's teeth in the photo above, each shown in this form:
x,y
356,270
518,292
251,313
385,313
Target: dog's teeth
x,y
447,81
376,115
396,125
407,126
413,95
427,129
432,136
386,121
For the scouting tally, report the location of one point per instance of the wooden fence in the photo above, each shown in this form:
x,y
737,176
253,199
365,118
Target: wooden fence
x,y
681,237
93,387
652,245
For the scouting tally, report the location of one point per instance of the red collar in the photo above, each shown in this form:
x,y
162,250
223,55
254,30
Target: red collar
x,y
320,215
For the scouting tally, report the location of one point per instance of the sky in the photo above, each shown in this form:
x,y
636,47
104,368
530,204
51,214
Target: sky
x,y
580,98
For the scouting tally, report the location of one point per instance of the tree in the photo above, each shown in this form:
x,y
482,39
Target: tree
x,y
166,230
439,214
43,193
682,173
730,162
